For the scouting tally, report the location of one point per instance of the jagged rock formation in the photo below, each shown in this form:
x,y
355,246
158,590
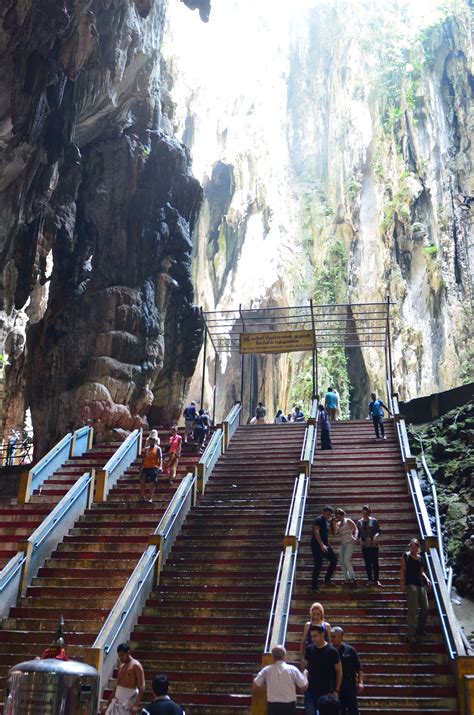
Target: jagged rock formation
x,y
336,158
97,206
448,443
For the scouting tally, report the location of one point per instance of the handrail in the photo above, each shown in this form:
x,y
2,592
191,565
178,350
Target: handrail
x,y
145,575
308,448
118,463
313,413
447,572
230,423
174,507
462,661
33,478
10,582
266,647
294,525
283,599
73,444
451,633
48,532
60,510
10,569
206,464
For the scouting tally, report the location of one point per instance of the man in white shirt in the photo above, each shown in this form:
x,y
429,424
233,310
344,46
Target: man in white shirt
x,y
281,681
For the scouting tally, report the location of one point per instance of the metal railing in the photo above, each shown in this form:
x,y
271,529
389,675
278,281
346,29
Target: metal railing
x,y
16,448
448,572
313,413
208,461
294,524
460,654
230,424
308,448
118,464
285,577
124,614
10,582
51,531
72,444
280,611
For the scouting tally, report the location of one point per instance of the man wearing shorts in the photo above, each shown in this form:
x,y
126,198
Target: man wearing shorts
x,y
152,467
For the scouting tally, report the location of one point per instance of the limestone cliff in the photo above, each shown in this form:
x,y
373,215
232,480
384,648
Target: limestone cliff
x,y
334,147
97,207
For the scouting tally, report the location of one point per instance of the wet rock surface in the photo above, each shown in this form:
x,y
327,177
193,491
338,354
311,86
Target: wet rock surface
x,y
450,458
97,207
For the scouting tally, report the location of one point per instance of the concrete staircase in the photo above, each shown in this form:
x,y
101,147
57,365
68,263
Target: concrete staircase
x,y
89,569
18,522
205,624
400,677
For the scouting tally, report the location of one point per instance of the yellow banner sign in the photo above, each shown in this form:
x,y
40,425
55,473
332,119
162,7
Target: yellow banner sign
x,y
286,341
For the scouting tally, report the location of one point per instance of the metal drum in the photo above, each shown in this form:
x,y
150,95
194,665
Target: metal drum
x,y
52,687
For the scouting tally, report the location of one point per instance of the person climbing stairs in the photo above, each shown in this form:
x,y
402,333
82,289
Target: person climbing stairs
x,y
89,568
205,623
399,677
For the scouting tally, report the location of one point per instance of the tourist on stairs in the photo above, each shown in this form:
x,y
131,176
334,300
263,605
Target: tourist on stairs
x,y
352,674
324,427
260,413
162,703
369,532
324,671
415,582
152,466
201,427
376,412
189,415
280,418
347,530
174,453
127,694
331,403
317,619
298,415
320,548
281,681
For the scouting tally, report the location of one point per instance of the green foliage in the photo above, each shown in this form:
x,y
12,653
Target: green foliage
x,y
353,188
430,250
146,152
399,205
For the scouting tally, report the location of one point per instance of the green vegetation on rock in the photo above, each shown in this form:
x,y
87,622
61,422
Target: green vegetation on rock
x,y
448,444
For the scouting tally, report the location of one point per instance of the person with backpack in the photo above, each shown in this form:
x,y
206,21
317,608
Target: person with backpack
x,y
324,427
280,418
189,414
376,408
201,427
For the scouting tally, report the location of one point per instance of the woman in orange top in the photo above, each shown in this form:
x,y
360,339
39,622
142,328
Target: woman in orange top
x,y
174,452
152,467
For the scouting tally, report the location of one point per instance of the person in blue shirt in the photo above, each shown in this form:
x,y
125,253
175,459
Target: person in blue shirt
x,y
331,403
376,408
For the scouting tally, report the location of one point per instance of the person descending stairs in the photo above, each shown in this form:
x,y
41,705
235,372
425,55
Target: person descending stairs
x,y
88,570
399,677
205,623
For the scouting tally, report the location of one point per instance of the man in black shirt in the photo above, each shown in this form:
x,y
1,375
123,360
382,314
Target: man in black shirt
x,y
162,704
352,674
321,549
324,670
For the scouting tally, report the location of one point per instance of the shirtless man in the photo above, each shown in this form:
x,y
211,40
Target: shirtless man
x,y
126,698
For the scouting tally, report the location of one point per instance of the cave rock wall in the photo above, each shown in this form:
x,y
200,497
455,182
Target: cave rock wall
x,y
97,207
